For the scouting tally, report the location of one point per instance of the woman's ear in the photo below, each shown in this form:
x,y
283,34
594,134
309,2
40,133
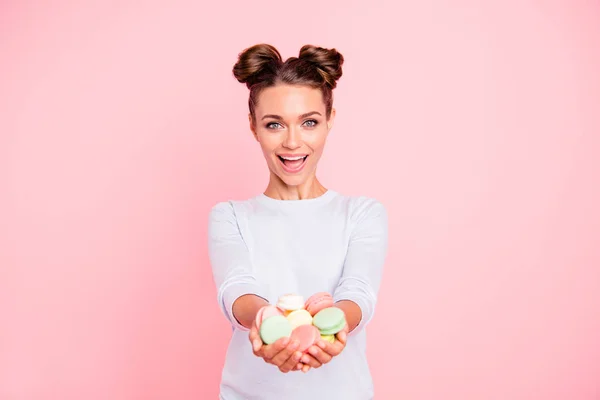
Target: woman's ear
x,y
331,119
252,127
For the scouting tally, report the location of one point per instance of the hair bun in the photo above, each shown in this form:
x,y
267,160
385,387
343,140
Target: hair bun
x,y
328,62
256,61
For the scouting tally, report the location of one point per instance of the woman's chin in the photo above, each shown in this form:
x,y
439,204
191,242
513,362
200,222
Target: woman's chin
x,y
292,180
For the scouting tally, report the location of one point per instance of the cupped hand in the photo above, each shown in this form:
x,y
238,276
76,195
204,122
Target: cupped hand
x,y
282,353
323,352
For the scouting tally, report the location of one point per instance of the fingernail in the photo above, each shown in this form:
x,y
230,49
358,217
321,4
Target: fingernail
x,y
321,344
313,351
305,359
257,344
295,344
286,341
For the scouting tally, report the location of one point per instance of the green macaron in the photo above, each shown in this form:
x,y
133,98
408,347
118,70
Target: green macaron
x,y
330,320
275,328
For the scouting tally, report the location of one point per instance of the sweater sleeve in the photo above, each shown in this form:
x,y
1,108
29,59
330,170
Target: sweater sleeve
x,y
365,257
230,260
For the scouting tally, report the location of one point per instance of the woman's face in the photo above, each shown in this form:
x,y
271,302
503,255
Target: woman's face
x,y
292,128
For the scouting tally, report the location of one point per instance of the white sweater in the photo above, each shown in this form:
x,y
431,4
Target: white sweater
x,y
270,247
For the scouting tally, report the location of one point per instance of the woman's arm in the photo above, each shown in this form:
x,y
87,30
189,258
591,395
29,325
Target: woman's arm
x,y
246,307
356,293
352,311
238,292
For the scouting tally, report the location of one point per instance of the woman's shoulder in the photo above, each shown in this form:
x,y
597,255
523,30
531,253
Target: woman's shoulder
x,y
231,207
361,207
360,203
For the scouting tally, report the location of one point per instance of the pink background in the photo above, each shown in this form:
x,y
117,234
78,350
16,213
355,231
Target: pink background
x,y
477,125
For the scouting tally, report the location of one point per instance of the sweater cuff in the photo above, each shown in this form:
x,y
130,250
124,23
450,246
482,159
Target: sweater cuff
x,y
229,293
366,309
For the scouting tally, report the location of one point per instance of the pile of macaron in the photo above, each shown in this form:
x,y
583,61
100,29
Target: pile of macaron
x,y
299,320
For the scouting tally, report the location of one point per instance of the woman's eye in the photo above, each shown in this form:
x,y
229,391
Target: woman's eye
x,y
311,123
270,125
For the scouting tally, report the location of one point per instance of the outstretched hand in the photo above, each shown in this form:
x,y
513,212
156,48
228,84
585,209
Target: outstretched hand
x,y
282,353
323,352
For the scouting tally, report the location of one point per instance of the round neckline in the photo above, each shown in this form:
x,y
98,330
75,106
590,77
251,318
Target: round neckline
x,y
296,202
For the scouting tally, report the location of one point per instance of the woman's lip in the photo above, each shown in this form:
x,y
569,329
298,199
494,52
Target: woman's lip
x,y
290,155
293,170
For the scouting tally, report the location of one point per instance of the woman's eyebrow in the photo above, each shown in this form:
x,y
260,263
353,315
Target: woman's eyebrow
x,y
308,114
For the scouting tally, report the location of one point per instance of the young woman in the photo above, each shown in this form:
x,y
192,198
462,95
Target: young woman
x,y
296,237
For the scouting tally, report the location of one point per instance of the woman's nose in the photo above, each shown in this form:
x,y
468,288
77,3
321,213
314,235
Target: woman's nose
x,y
292,139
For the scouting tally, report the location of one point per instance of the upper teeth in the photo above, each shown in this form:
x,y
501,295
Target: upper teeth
x,y
293,158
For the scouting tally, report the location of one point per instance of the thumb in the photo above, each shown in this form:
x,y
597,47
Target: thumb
x,y
342,336
255,338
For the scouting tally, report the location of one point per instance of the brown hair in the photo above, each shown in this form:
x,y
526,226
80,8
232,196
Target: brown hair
x,y
261,66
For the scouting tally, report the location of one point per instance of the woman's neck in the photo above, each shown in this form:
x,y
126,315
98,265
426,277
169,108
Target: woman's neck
x,y
310,189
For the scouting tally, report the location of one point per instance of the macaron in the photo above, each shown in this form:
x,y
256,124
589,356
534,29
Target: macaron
x,y
306,335
299,317
266,312
274,328
330,320
290,302
328,338
318,302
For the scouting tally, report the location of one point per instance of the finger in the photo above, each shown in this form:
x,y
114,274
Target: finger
x,y
342,336
255,339
253,333
333,349
311,361
284,355
322,356
291,362
271,350
302,367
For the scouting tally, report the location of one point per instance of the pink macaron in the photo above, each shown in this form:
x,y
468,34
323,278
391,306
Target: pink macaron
x,y
318,302
266,312
306,335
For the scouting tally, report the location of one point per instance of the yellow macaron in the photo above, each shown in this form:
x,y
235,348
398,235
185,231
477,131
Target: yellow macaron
x,y
299,317
328,338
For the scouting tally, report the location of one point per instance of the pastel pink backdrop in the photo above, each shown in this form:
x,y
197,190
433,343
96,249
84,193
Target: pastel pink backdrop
x,y
477,125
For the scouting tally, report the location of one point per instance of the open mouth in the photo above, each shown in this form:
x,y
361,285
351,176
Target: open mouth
x,y
293,164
